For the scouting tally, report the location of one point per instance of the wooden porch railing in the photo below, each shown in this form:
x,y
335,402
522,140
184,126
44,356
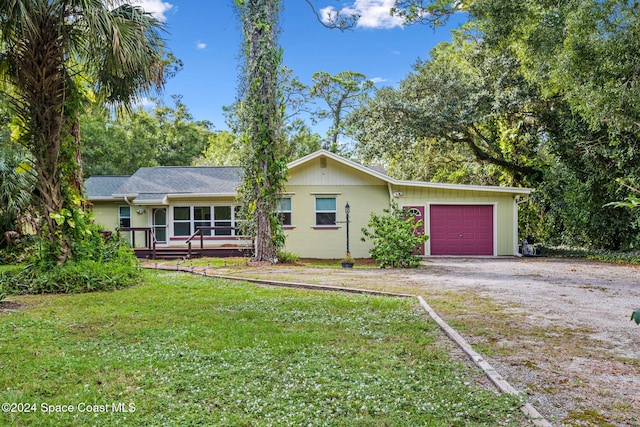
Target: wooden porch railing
x,y
149,238
199,232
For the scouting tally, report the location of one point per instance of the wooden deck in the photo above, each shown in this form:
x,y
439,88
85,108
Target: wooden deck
x,y
241,247
183,253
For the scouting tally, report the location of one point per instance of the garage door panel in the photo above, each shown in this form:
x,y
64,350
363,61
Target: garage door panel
x,y
461,229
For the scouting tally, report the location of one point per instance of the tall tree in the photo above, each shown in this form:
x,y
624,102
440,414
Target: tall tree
x,y
580,60
459,96
342,93
260,115
47,45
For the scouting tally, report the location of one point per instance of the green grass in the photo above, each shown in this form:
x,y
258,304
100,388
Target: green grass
x,y
181,350
9,267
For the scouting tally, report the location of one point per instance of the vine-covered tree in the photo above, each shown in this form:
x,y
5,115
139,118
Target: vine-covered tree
x,y
52,52
260,114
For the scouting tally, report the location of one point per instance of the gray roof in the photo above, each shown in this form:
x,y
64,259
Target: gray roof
x,y
158,182
103,186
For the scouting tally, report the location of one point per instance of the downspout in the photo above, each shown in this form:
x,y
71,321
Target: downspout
x,y
390,193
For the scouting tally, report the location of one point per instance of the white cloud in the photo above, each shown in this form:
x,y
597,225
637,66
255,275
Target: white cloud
x,y
155,7
372,13
200,45
377,80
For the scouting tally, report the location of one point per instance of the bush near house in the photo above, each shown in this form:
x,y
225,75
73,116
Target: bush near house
x,y
394,237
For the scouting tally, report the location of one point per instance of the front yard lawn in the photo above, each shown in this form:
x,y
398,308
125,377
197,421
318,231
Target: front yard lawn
x,y
181,350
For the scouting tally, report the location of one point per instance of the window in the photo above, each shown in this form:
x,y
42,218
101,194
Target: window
x,y
182,221
284,210
186,219
124,216
202,218
325,211
222,218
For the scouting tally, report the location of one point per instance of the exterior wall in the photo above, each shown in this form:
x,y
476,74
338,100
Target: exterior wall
x,y
505,212
308,241
327,177
106,214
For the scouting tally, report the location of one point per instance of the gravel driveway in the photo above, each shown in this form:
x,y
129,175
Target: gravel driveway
x,y
591,379
557,329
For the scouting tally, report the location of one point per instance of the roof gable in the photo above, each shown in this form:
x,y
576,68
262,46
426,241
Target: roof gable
x,y
375,172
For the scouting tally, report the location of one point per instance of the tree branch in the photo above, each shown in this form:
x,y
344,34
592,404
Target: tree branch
x,y
336,20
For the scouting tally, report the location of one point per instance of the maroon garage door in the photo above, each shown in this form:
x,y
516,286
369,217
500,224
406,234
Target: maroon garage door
x,y
461,229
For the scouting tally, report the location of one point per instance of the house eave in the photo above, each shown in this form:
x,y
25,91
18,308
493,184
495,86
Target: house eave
x,y
464,187
200,195
105,199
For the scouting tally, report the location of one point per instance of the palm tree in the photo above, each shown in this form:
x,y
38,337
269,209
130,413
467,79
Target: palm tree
x,y
52,54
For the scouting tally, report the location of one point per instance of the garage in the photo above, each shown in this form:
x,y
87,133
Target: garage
x,y
461,229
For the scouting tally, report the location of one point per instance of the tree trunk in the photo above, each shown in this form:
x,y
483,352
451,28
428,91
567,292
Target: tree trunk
x,y
264,165
265,249
38,70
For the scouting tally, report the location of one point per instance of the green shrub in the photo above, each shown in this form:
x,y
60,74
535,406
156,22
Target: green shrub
x,y
289,257
394,238
115,268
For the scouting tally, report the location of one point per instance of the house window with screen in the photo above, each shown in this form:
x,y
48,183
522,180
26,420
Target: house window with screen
x,y
284,210
124,216
202,218
222,218
182,221
325,211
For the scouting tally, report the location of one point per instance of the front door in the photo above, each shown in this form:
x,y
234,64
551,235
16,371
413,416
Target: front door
x,y
159,224
417,212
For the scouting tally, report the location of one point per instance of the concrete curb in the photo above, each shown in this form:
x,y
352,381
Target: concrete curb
x,y
489,371
502,384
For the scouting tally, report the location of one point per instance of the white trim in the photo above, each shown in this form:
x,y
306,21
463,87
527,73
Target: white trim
x,y
494,205
515,228
198,195
425,214
326,193
167,212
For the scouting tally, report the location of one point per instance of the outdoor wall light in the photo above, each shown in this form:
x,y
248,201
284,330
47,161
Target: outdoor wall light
x,y
140,211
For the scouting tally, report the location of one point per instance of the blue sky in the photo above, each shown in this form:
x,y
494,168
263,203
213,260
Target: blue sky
x,y
205,35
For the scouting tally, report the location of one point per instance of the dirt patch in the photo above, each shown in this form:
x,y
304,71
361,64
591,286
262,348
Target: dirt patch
x,y
559,330
10,306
